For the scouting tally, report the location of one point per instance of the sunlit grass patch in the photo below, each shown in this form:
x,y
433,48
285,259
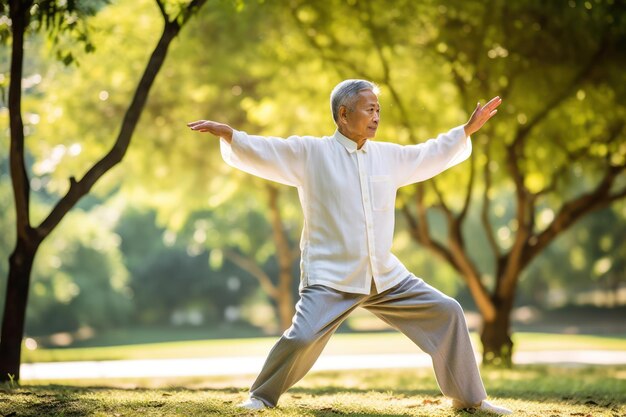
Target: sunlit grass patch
x,y
529,390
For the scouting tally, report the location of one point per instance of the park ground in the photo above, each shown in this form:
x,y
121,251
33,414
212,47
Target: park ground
x,y
552,391
530,390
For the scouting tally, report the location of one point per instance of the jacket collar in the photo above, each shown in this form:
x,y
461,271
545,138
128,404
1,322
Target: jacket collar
x,y
349,144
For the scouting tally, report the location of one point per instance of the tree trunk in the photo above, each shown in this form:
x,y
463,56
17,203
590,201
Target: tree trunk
x,y
286,308
496,336
21,260
20,265
284,298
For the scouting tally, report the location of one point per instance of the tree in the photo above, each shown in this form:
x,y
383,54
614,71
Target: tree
x,y
484,49
541,172
28,236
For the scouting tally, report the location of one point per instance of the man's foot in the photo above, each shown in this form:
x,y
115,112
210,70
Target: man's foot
x,y
252,404
484,406
494,409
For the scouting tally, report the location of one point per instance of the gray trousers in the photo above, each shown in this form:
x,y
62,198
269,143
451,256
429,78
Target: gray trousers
x,y
432,320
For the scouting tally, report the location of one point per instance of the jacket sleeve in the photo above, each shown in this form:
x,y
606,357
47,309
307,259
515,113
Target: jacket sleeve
x,y
271,158
420,162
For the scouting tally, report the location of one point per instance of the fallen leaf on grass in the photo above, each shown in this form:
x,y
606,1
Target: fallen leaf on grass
x,y
431,402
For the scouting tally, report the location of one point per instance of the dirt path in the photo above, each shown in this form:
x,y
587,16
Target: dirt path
x,y
252,364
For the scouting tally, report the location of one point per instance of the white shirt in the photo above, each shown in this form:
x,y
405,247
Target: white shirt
x,y
347,197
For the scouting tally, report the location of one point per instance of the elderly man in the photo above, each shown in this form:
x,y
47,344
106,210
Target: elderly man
x,y
347,186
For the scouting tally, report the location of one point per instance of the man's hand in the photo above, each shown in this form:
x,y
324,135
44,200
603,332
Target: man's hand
x,y
218,129
481,115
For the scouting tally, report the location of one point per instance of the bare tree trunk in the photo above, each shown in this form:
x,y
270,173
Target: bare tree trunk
x,y
21,260
20,265
286,308
285,261
495,335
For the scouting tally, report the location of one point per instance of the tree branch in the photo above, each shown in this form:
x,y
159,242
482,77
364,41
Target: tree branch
x,y
470,188
514,149
442,203
186,13
512,258
573,210
469,271
525,249
583,74
618,195
162,9
514,263
375,37
80,188
253,269
418,227
295,252
484,217
280,238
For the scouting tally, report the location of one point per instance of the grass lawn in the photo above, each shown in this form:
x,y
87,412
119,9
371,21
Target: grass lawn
x,y
528,390
362,343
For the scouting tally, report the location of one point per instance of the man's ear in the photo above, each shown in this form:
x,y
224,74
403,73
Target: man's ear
x,y
343,114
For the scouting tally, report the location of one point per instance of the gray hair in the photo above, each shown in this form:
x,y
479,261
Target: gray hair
x,y
345,94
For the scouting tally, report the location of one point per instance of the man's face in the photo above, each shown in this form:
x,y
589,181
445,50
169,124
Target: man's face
x,y
361,122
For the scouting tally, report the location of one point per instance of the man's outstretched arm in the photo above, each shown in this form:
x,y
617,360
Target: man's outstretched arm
x,y
218,129
425,160
272,158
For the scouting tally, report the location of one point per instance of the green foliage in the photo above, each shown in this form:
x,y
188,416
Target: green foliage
x,y
64,21
79,279
586,259
268,68
171,279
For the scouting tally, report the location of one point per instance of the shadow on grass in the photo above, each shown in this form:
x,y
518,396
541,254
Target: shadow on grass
x,y
325,394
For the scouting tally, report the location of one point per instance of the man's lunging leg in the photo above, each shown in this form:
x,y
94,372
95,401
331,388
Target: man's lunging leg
x,y
435,322
318,314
